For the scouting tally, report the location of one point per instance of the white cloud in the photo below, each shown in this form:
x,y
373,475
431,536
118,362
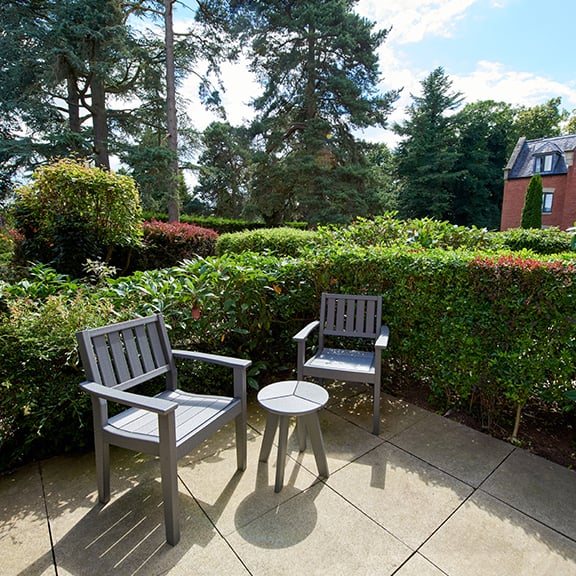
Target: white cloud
x,y
412,20
493,81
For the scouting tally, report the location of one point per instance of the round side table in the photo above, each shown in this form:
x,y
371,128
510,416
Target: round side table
x,y
283,400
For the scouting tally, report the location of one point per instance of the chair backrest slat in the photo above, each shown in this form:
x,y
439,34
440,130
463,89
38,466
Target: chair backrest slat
x,y
128,353
350,316
119,357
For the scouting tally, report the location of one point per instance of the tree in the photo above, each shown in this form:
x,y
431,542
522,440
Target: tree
x,y
427,157
532,211
483,130
318,67
224,169
542,121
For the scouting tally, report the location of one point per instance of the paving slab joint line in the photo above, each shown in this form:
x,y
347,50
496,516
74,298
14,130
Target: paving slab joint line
x,y
523,512
410,558
216,529
48,525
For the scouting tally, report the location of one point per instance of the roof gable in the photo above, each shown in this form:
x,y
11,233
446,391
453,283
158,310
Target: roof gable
x,y
522,163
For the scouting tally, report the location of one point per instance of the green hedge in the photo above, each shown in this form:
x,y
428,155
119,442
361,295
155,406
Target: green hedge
x,y
281,241
221,225
486,330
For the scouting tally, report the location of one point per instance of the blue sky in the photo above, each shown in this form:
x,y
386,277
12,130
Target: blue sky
x,y
516,51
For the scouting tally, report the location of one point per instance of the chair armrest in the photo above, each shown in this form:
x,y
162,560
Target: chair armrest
x,y
239,366
305,332
228,361
157,405
382,341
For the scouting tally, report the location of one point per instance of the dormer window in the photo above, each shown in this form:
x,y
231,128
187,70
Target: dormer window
x,y
543,163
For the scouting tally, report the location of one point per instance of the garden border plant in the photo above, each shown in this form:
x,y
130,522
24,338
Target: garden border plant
x,y
483,329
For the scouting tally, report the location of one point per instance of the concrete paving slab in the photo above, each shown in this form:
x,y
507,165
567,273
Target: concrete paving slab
x,y
127,535
467,454
231,498
418,566
344,442
317,533
395,414
24,536
487,537
408,497
539,488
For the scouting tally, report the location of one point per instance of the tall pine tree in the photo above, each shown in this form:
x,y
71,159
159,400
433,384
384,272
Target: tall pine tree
x,y
428,155
318,67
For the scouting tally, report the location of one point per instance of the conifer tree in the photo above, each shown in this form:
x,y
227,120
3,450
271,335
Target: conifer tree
x,y
532,211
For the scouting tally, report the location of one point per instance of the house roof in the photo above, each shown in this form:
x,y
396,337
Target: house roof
x,y
521,163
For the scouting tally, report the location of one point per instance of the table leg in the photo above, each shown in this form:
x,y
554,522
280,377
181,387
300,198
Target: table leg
x,y
282,446
301,433
269,432
317,441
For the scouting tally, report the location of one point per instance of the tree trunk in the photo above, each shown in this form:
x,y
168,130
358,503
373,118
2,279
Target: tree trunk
x,y
100,122
172,122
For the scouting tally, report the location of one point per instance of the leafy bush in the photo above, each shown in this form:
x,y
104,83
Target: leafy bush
x,y
43,411
484,330
165,244
388,230
221,225
546,241
285,241
71,212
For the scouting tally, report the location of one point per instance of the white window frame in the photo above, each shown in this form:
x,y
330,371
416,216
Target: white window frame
x,y
547,200
543,163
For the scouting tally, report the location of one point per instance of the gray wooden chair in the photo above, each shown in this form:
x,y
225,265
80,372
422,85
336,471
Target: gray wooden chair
x,y
120,356
347,318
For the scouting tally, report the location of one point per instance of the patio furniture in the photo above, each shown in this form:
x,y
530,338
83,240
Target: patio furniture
x,y
283,400
170,424
346,320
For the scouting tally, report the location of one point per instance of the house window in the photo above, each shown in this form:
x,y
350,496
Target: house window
x,y
547,198
543,163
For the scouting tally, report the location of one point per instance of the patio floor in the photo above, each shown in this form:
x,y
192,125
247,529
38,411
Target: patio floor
x,y
429,497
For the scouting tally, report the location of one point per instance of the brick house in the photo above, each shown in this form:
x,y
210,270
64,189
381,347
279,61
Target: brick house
x,y
553,158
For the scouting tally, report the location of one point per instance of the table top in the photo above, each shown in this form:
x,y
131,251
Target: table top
x,y
293,397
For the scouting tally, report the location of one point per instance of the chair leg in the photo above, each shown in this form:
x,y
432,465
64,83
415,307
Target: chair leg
x,y
241,441
102,454
169,475
376,421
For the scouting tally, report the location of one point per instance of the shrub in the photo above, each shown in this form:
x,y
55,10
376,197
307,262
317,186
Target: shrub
x,y
281,241
71,212
532,211
43,411
167,243
545,241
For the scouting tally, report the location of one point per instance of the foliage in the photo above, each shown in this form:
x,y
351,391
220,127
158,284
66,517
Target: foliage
x,y
532,211
221,225
484,329
223,176
428,155
167,243
280,241
42,409
71,212
540,241
318,67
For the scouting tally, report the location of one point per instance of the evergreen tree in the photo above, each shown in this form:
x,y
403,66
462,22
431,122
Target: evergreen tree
x,y
483,135
427,158
224,166
317,63
532,211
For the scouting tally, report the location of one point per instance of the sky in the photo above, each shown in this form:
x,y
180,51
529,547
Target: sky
x,y
515,51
